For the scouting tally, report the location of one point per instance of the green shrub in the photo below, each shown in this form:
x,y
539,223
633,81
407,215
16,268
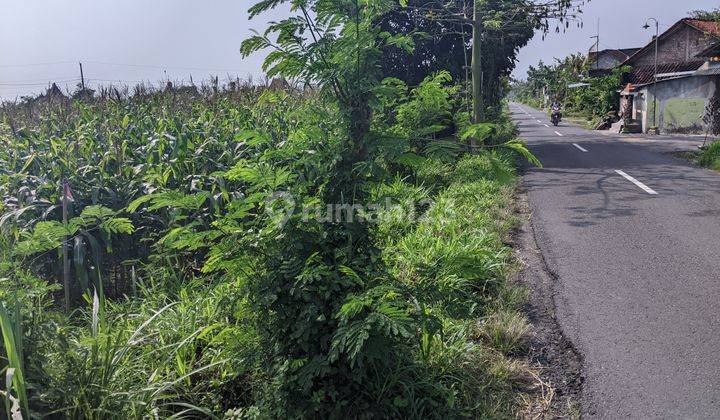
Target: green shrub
x,y
710,157
494,166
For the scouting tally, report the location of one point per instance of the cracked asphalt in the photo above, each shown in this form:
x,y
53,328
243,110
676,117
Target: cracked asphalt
x,y
632,235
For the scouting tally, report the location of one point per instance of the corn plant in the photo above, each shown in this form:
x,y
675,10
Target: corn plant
x,y
13,345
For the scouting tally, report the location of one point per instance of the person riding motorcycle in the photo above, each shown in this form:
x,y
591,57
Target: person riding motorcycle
x,y
556,113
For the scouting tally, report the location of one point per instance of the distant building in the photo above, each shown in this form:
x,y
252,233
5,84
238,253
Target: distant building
x,y
686,78
604,61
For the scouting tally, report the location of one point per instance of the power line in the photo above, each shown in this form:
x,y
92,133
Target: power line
x,y
36,64
116,80
39,83
159,67
77,79
136,65
43,80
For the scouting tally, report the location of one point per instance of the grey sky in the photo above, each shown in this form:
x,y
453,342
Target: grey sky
x,y
132,40
183,37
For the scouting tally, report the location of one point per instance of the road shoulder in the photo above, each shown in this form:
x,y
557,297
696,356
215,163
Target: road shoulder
x,y
559,362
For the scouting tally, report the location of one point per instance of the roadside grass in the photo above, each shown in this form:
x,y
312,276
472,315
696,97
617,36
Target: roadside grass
x,y
710,156
582,121
506,331
455,260
707,157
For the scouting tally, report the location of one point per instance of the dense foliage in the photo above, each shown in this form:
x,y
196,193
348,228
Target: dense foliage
x,y
709,156
201,300
445,44
264,253
713,14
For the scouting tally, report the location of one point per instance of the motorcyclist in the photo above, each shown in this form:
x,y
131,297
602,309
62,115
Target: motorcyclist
x,y
556,112
556,107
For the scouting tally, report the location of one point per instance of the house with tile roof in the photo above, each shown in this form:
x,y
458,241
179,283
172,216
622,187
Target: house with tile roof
x,y
603,62
686,78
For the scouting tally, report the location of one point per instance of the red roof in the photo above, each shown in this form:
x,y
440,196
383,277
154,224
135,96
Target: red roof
x,y
708,26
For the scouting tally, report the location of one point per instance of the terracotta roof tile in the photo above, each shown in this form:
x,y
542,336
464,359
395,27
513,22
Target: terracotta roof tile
x,y
708,26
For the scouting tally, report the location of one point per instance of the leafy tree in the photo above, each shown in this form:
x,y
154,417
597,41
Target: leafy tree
x,y
329,321
706,14
507,24
336,44
553,80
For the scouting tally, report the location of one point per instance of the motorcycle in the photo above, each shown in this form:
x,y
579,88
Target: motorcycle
x,y
556,117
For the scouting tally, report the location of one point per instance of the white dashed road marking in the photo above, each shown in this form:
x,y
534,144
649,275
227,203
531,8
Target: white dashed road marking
x,y
636,182
582,149
558,133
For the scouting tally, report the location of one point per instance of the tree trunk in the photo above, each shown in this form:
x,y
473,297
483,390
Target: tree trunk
x,y
360,122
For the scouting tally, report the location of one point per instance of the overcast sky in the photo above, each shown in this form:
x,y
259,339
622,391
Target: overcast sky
x,y
148,40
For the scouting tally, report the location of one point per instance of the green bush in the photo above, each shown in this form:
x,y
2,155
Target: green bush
x,y
710,157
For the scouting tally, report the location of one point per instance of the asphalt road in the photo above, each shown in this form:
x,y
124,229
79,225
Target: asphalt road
x,y
636,256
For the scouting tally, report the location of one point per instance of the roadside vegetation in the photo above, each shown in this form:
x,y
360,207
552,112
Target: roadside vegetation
x,y
332,250
190,296
709,157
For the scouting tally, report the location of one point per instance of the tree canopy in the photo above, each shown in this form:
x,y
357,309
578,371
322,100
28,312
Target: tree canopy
x,y
444,38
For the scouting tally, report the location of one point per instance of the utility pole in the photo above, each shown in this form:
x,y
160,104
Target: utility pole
x,y
554,8
655,77
597,51
82,77
597,46
476,64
